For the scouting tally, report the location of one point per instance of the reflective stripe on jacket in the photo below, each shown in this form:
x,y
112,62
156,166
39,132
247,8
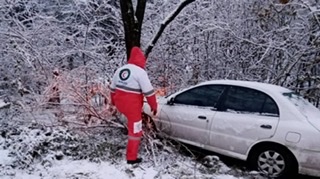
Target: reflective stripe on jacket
x,y
130,83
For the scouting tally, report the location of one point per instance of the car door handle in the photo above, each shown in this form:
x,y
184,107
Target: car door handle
x,y
266,126
202,117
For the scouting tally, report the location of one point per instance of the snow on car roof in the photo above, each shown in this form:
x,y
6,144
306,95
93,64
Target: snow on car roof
x,y
251,84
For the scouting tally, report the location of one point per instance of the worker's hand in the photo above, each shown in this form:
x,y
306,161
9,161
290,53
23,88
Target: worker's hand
x,y
154,111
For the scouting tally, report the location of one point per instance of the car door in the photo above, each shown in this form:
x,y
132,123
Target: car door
x,y
244,117
188,115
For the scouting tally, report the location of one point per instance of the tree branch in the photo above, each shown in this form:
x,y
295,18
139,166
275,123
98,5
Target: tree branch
x,y
165,23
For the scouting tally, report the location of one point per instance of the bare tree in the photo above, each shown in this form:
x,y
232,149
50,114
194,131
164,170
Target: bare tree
x,y
133,20
268,41
38,36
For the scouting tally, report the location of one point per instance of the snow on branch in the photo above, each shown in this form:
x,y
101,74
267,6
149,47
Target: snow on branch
x,y
4,104
165,23
78,93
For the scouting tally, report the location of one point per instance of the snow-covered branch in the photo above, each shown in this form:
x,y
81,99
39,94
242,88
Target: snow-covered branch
x,y
165,23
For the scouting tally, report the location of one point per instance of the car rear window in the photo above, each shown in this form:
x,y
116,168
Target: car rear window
x,y
301,103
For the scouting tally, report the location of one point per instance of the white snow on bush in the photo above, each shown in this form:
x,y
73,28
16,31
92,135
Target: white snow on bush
x,y
4,157
3,104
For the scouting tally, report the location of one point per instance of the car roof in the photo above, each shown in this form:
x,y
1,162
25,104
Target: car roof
x,y
269,88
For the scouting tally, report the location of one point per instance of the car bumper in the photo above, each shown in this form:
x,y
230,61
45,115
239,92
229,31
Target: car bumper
x,y
309,162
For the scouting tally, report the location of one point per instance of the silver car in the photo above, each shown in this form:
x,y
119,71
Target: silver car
x,y
271,127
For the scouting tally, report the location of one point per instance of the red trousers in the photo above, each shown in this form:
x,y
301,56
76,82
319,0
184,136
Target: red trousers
x,y
131,106
134,136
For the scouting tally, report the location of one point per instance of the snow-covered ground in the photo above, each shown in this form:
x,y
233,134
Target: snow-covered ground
x,y
29,149
33,146
84,169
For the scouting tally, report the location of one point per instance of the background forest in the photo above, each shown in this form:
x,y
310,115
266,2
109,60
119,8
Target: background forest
x,y
65,51
268,41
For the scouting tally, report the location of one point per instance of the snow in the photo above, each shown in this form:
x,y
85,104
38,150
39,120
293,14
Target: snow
x,y
81,169
4,157
83,1
306,108
84,169
3,104
17,163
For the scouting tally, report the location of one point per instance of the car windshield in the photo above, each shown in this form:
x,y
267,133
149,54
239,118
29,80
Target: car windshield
x,y
302,104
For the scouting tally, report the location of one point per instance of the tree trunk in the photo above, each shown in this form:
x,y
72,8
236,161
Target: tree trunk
x,y
132,22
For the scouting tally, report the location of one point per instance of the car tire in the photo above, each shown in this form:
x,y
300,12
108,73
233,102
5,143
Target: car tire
x,y
274,162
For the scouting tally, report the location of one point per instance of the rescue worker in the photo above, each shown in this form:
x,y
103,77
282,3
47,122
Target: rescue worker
x,y
130,84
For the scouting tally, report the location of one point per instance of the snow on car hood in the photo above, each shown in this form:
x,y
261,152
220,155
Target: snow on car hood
x,y
311,113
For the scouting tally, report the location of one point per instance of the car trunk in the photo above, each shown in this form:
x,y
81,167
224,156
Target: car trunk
x,y
307,109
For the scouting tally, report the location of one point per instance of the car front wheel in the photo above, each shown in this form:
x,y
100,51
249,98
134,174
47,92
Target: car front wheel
x,y
274,162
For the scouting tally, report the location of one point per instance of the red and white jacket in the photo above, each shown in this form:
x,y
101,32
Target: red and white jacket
x,y
131,83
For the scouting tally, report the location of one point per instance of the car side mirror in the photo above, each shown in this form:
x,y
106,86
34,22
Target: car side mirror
x,y
170,101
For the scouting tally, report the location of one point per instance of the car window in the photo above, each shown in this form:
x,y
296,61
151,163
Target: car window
x,y
302,104
207,95
241,99
270,107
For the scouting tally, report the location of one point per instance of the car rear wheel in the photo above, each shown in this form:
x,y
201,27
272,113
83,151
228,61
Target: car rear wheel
x,y
273,161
